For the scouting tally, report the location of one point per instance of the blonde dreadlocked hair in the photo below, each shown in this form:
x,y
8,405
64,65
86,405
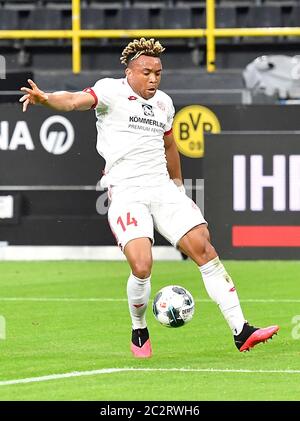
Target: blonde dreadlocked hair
x,y
138,47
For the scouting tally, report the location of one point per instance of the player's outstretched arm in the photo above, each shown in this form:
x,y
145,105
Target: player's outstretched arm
x,y
61,101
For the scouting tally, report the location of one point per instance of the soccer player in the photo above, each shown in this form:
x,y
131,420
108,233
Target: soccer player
x,y
144,181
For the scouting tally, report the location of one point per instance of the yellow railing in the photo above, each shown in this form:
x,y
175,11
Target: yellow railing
x,y
210,33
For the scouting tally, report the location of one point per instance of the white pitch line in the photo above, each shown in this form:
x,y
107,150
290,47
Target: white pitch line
x,y
62,299
119,370
99,299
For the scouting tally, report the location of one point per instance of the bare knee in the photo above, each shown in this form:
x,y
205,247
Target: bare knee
x,y
141,268
139,256
196,244
202,249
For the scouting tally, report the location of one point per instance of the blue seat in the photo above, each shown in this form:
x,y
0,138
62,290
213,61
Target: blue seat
x,y
42,18
226,17
9,19
294,17
264,16
176,18
198,16
92,18
134,18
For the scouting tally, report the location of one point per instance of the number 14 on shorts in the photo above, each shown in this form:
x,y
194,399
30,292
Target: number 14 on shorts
x,y
130,220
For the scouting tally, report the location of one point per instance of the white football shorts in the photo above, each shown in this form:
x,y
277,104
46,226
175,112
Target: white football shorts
x,y
135,211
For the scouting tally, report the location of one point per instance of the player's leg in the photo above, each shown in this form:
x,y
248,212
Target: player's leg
x,y
132,226
180,221
220,287
139,256
195,243
138,253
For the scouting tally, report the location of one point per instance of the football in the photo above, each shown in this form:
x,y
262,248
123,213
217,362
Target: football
x,y
173,306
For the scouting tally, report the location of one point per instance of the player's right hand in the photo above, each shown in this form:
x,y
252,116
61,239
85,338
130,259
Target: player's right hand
x,y
33,95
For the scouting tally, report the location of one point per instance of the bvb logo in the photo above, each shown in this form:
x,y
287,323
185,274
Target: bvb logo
x,y
190,125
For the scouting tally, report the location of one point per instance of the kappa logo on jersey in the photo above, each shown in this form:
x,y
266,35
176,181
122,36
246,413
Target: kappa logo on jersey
x,y
161,105
148,111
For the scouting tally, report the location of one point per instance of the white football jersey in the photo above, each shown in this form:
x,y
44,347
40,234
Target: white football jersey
x,y
130,133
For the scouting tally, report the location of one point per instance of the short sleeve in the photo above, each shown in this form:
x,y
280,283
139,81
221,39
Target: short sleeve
x,y
170,118
102,93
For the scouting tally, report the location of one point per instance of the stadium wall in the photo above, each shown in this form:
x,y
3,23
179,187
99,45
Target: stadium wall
x,y
49,173
255,208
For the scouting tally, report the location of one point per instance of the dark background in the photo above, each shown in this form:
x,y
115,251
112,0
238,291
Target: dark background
x,y
219,191
69,217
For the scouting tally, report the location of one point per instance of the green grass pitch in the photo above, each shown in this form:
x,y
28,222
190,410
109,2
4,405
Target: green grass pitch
x,y
67,317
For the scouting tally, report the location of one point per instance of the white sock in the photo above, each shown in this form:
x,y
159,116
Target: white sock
x,y
138,293
220,288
